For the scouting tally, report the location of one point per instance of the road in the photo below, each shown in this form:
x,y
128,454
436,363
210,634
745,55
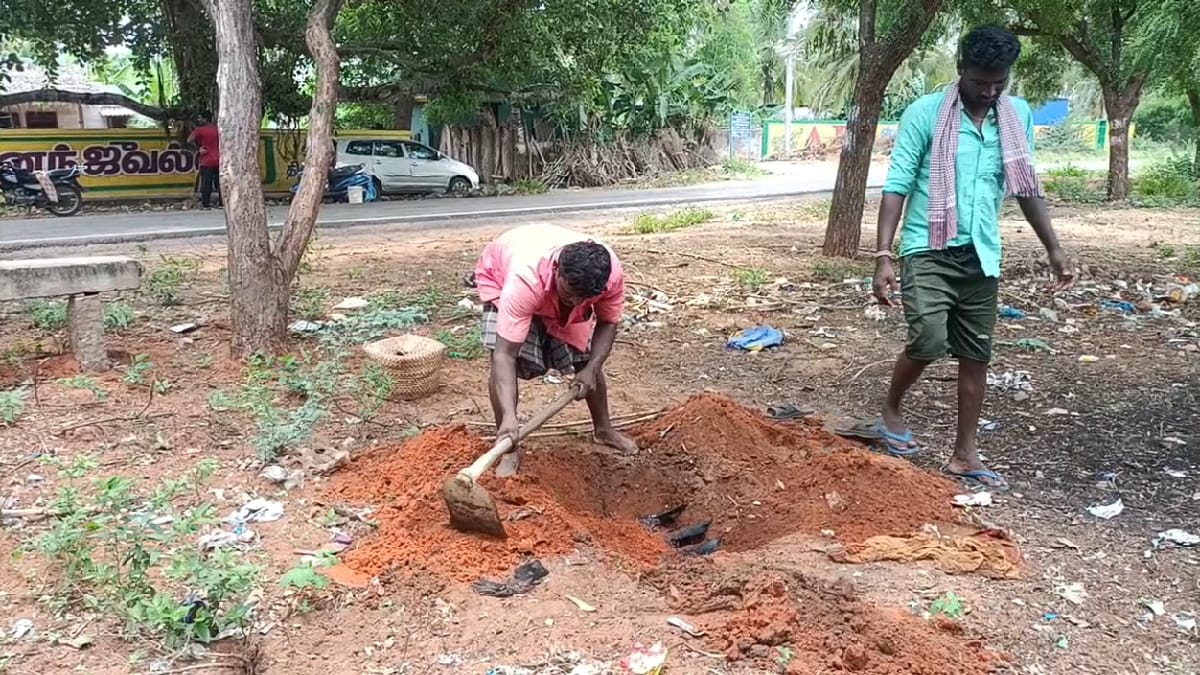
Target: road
x,y
108,228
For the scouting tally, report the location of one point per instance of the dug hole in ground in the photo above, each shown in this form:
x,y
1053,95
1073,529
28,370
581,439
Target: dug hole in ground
x,y
581,508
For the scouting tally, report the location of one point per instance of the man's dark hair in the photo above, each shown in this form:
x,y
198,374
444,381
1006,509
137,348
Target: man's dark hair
x,y
990,48
585,266
206,116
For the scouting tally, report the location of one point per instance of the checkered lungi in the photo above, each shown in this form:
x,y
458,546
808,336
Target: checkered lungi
x,y
540,353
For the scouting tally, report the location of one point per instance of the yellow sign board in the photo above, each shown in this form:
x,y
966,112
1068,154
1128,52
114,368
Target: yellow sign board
x,y
147,163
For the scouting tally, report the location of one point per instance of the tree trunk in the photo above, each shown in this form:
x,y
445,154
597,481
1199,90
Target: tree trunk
x,y
877,62
844,229
1193,95
302,214
1119,107
190,38
768,84
402,114
258,322
260,274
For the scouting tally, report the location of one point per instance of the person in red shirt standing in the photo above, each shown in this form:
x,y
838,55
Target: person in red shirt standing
x,y
208,140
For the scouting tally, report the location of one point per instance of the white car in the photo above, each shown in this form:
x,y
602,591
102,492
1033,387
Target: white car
x,y
407,166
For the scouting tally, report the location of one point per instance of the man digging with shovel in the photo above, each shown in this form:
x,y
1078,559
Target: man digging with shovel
x,y
552,299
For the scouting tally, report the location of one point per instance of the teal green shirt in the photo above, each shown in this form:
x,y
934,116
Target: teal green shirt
x,y
979,178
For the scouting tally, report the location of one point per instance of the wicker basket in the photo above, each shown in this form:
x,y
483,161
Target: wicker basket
x,y
414,363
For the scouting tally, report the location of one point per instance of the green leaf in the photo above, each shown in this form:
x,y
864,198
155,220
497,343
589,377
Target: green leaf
x,y
303,577
948,605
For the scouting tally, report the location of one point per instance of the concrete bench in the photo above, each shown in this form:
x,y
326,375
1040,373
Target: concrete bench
x,y
80,280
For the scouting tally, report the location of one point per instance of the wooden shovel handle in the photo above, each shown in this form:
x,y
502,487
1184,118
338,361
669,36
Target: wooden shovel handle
x,y
503,445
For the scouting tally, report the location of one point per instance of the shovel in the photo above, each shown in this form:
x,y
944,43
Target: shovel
x,y
471,508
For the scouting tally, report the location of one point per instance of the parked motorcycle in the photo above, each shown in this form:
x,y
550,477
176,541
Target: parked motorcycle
x,y
21,188
341,179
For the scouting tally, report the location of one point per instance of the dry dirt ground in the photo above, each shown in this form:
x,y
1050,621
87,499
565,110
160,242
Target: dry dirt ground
x,y
1088,430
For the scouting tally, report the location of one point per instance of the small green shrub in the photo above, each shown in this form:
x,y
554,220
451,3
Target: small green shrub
x,y
648,223
48,315
530,186
165,284
1074,184
118,316
465,347
133,558
836,270
84,383
751,278
12,404
742,168
136,373
309,303
1171,180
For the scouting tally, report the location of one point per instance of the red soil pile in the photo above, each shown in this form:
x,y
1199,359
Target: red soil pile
x,y
823,625
405,484
762,480
756,480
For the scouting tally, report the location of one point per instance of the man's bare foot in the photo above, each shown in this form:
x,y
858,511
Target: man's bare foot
x,y
614,439
974,470
509,465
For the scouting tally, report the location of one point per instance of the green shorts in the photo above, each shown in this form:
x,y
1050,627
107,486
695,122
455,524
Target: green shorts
x,y
949,305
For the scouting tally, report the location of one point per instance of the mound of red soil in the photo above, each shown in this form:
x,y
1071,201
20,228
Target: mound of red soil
x,y
760,480
754,479
405,483
814,626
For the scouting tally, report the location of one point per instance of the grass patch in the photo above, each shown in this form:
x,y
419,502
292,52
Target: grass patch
x,y
84,383
1174,181
430,299
815,210
131,554
1074,184
649,223
165,284
465,347
741,168
751,278
372,389
836,270
1186,259
48,315
530,186
12,404
136,373
309,303
118,316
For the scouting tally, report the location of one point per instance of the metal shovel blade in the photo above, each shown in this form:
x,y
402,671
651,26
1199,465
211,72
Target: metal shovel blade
x,y
471,508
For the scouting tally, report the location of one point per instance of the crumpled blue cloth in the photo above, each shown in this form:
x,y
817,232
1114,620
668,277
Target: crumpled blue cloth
x,y
756,339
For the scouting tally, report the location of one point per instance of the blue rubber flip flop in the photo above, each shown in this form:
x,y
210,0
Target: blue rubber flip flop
x,y
896,445
977,475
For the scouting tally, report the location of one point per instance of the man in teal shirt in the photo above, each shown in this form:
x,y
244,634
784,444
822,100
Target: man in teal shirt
x,y
957,154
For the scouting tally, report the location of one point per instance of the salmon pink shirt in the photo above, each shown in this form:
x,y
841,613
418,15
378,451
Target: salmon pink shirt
x,y
516,273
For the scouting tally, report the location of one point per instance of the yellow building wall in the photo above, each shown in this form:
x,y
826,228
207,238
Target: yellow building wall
x,y
146,163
